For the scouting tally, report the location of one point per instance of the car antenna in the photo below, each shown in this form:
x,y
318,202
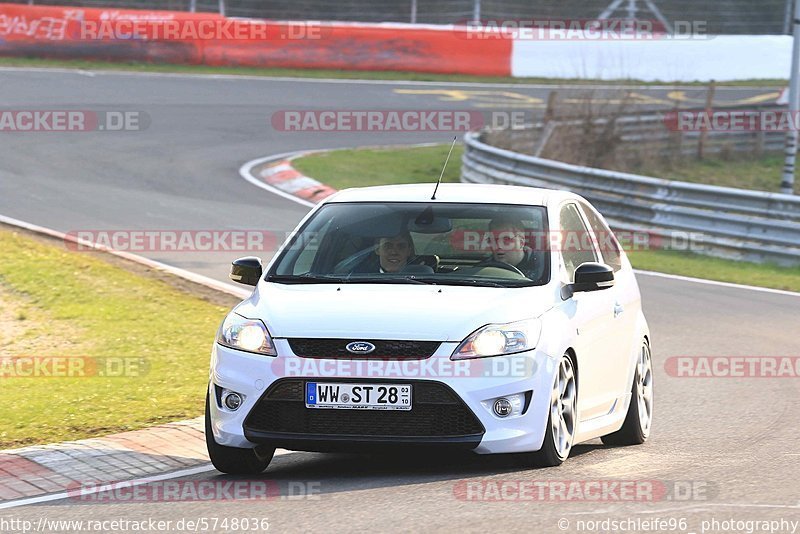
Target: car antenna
x,y
444,167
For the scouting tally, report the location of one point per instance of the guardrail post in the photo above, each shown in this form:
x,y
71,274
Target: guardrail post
x,y
550,110
790,154
760,141
192,6
413,17
549,124
675,138
701,142
222,7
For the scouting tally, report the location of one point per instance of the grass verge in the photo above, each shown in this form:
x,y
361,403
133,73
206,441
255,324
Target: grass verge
x,y
699,266
65,304
341,169
760,174
341,74
358,168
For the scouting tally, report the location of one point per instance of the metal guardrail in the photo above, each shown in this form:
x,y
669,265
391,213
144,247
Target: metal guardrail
x,y
733,223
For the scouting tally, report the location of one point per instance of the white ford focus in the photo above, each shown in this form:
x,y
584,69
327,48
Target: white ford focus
x,y
492,318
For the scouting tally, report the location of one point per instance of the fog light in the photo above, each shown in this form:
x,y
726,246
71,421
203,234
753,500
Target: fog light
x,y
231,400
503,407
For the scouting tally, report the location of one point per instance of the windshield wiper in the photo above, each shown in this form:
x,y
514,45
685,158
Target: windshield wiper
x,y
463,282
311,278
307,278
417,280
384,279
430,280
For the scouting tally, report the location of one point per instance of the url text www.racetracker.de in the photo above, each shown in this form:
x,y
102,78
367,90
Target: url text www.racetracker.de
x,y
185,524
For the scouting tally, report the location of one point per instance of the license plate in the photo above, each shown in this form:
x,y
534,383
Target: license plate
x,y
358,396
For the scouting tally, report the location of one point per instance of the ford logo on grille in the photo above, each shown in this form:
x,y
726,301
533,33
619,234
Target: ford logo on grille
x,y
360,347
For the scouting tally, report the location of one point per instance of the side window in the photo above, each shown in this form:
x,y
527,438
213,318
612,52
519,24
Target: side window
x,y
576,244
609,247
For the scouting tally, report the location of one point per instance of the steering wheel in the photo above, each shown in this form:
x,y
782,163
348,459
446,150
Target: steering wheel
x,y
422,259
502,265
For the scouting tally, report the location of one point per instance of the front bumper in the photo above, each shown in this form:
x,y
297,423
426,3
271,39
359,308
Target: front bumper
x,y
475,383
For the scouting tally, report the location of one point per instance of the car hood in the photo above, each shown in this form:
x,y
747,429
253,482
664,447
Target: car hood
x,y
390,311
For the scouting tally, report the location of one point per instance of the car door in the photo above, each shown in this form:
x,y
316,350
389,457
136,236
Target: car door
x,y
591,314
627,300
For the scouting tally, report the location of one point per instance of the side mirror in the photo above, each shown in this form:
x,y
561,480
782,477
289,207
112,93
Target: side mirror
x,y
592,276
246,270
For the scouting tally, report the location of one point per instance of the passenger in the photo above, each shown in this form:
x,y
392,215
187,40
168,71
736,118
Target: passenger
x,y
509,245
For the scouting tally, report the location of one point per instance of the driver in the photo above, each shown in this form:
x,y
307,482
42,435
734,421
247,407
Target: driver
x,y
393,252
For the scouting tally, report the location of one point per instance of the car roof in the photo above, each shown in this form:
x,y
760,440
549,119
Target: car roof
x,y
468,193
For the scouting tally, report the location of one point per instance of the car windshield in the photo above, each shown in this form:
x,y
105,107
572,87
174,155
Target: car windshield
x,y
418,243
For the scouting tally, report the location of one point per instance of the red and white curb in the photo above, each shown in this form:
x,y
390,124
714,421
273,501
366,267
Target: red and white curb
x,y
283,176
277,175
29,473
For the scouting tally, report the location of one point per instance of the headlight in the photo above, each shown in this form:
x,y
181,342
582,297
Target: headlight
x,y
499,339
250,335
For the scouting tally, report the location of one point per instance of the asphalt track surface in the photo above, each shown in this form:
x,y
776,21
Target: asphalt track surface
x,y
733,440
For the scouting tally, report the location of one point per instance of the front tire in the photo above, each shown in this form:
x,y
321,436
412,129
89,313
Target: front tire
x,y
233,460
562,419
636,428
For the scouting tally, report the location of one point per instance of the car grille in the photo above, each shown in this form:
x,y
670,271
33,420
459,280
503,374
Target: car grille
x,y
335,348
436,412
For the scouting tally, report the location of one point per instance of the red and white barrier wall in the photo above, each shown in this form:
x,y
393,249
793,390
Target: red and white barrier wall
x,y
61,32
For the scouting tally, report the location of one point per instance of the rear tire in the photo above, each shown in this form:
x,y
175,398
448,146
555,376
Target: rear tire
x,y
636,428
233,460
559,436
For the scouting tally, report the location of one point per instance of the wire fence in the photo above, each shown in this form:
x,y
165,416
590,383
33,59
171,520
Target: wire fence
x,y
719,17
